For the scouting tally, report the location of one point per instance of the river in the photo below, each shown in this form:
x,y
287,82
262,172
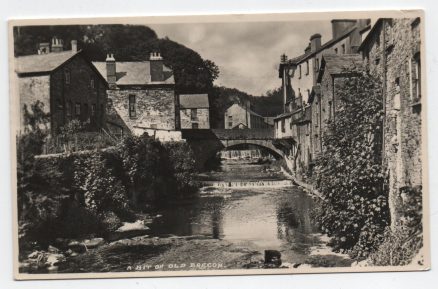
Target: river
x,y
244,209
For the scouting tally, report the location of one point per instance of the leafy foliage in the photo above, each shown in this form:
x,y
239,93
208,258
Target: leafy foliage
x,y
402,244
349,171
102,191
156,171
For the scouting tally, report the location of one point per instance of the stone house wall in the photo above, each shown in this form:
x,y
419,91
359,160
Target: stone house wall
x,y
31,89
86,89
202,119
60,98
391,55
154,107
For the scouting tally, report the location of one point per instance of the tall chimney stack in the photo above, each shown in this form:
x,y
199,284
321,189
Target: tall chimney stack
x,y
156,66
111,71
74,46
57,45
340,26
315,42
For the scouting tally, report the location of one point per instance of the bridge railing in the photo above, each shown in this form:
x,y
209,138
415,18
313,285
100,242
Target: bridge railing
x,y
228,134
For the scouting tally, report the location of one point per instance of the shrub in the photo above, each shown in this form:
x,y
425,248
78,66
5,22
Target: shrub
x,y
102,191
349,171
182,164
402,244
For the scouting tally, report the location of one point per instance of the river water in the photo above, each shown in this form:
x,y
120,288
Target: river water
x,y
245,208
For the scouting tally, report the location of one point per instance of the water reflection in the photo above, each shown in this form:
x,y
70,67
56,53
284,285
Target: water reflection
x,y
267,219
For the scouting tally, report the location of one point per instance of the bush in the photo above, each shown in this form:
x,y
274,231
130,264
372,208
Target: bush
x,y
182,165
402,244
157,172
102,191
349,172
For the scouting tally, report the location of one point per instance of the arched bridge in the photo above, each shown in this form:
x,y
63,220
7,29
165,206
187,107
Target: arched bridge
x,y
205,143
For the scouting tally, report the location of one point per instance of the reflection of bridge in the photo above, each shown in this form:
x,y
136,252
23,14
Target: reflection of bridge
x,y
205,143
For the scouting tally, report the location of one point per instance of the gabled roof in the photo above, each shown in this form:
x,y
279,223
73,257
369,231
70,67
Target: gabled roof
x,y
134,73
336,64
42,63
249,110
193,101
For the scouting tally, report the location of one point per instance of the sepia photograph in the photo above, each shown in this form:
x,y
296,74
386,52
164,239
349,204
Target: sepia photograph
x,y
219,145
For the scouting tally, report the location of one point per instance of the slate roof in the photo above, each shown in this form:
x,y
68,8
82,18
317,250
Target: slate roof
x,y
299,59
42,63
134,73
194,101
340,64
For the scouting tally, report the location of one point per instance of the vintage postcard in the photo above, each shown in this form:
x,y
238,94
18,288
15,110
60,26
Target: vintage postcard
x,y
219,145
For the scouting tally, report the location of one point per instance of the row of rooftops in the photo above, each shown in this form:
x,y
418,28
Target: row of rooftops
x,y
49,58
341,29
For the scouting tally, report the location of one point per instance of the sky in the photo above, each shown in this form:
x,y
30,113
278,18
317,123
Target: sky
x,y
247,53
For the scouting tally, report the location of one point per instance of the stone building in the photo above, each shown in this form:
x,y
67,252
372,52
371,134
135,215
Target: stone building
x,y
299,78
67,84
141,97
324,101
194,111
238,116
391,51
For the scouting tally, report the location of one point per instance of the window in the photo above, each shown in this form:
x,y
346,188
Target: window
x,y
343,48
336,50
317,64
417,76
307,67
299,67
132,111
67,76
230,124
93,109
195,125
330,111
78,109
283,126
194,114
85,110
92,82
68,109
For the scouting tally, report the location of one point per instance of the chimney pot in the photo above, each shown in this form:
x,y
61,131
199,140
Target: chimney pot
x,y
57,45
74,46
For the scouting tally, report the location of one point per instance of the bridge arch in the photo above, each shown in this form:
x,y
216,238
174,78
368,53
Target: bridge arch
x,y
266,144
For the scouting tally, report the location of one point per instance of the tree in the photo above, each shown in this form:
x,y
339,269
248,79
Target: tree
x,y
349,171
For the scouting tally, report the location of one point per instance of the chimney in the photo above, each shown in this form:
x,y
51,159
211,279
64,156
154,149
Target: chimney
x,y
156,66
44,48
339,26
111,71
57,45
315,42
74,46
